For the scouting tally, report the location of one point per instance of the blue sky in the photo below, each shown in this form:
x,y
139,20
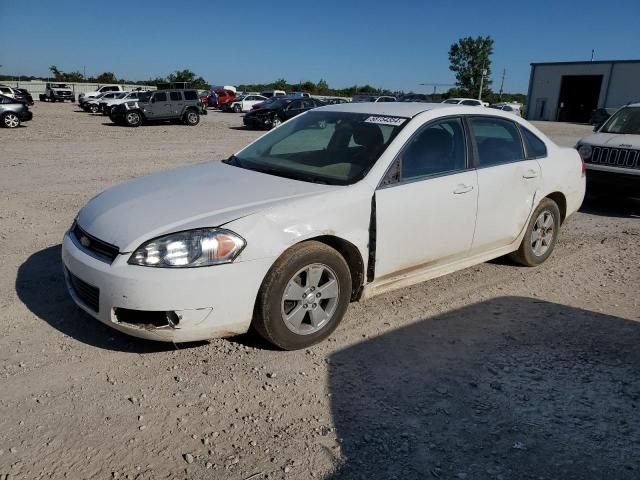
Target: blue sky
x,y
394,45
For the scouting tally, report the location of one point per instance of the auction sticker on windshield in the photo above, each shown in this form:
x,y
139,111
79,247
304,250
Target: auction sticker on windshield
x,y
393,121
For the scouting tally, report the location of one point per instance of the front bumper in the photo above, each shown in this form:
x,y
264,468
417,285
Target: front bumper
x,y
214,301
613,182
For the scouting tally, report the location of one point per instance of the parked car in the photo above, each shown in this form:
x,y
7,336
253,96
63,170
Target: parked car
x,y
335,101
471,102
243,103
106,103
224,94
160,105
57,92
8,91
85,96
273,114
204,97
341,203
508,107
267,102
12,112
612,153
366,98
273,93
93,104
23,95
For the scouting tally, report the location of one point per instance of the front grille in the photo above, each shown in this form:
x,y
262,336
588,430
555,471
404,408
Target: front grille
x,y
615,157
88,242
88,294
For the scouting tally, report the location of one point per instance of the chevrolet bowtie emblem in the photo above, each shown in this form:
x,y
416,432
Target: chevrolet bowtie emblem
x,y
84,241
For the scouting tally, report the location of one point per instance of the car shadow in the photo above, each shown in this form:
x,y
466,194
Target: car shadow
x,y
243,128
511,388
611,205
41,287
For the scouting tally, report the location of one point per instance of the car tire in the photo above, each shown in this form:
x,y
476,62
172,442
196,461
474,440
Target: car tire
x,y
237,108
541,235
291,312
275,121
10,120
93,108
191,118
133,119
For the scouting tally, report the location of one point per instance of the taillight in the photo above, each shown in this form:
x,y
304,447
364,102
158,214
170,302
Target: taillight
x,y
584,167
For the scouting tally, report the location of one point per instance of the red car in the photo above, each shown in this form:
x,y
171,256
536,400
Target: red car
x,y
225,94
204,97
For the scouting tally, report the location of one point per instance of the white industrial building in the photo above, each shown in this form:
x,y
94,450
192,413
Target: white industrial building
x,y
571,91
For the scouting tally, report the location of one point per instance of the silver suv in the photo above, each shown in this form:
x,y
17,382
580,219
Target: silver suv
x,y
13,112
161,105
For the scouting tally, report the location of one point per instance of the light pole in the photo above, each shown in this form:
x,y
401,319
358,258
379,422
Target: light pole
x,y
483,72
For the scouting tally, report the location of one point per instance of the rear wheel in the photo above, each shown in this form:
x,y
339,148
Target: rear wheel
x,y
303,297
10,120
93,108
541,235
133,119
191,118
275,122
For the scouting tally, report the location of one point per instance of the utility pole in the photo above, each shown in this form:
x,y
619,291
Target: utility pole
x,y
592,54
483,72
504,73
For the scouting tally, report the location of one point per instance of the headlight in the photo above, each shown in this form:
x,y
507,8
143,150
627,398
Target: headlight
x,y
193,248
585,151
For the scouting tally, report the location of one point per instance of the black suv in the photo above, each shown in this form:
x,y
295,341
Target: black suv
x,y
161,105
274,113
12,112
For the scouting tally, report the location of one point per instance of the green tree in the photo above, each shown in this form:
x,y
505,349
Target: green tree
x,y
280,84
187,75
55,71
322,87
106,77
468,57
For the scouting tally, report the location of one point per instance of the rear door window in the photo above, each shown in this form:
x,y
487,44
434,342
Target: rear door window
x,y
535,147
175,96
498,140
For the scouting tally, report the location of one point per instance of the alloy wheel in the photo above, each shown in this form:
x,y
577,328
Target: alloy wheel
x,y
543,233
310,299
11,120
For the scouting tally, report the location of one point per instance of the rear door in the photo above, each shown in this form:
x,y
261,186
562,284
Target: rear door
x,y
508,182
177,103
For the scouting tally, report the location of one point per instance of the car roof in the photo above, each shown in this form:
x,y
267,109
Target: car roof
x,y
398,109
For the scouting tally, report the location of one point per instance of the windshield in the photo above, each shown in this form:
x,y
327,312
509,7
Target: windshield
x,y
59,85
337,148
122,95
452,101
624,121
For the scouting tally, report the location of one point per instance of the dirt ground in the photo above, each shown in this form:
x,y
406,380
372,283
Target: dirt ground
x,y
496,372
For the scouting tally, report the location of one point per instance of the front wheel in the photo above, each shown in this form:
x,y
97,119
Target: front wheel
x,y
93,108
237,108
275,122
191,118
133,119
541,235
303,297
10,120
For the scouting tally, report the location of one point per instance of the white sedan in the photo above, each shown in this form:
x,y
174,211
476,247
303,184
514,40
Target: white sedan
x,y
244,103
339,203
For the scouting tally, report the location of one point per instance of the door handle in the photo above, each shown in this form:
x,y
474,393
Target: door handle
x,y
530,174
460,189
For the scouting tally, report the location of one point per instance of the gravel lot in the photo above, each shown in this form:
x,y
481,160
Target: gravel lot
x,y
497,371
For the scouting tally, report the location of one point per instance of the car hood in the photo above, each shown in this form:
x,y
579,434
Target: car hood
x,y
205,195
612,140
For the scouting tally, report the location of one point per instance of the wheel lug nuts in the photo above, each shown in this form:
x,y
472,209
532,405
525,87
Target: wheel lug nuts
x,y
304,306
318,295
313,288
315,305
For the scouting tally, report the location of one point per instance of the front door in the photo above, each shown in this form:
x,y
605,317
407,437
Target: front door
x,y
426,207
160,106
507,181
